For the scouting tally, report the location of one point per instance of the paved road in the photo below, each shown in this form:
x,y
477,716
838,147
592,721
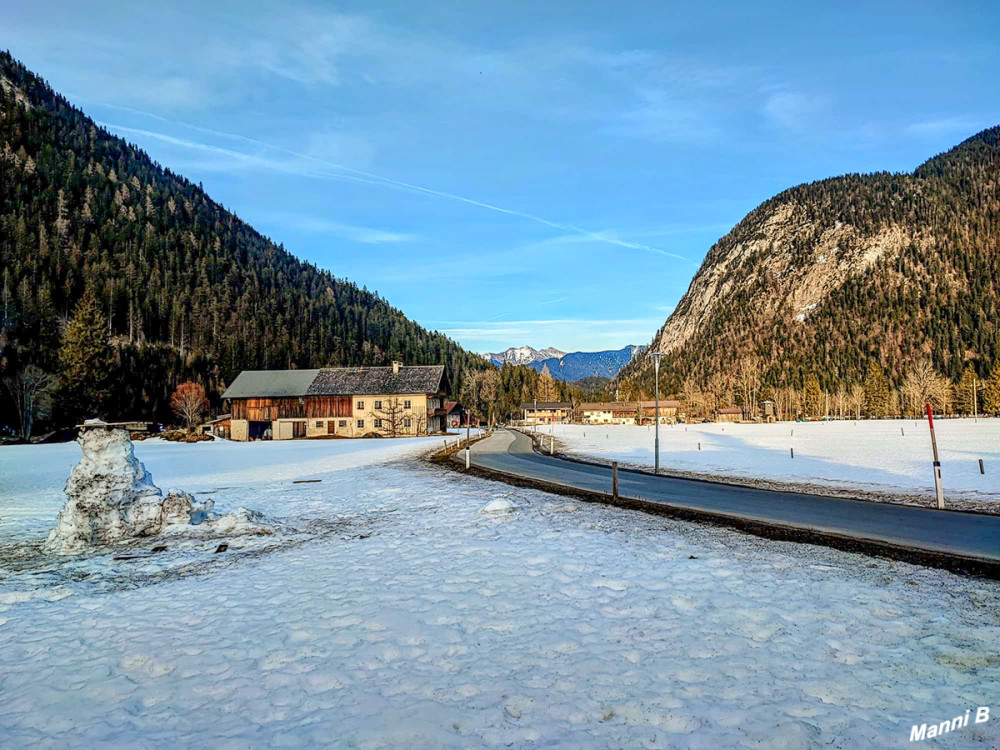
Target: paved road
x,y
953,533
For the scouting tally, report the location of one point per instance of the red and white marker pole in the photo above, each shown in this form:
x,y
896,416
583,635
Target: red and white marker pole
x,y
938,489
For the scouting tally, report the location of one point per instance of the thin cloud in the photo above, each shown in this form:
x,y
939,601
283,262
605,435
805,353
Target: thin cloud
x,y
793,109
555,301
372,178
366,235
569,334
944,126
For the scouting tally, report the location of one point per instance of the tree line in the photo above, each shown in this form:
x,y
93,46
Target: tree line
x,y
872,396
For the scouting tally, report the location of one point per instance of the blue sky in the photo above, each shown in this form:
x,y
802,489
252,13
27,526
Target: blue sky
x,y
514,173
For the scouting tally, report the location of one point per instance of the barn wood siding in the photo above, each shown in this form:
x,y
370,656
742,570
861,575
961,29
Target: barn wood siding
x,y
310,407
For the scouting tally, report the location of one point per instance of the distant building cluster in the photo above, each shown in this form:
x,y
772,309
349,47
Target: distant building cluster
x,y
600,412
627,412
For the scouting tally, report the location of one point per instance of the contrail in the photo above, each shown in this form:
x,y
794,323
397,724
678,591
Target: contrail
x,y
389,181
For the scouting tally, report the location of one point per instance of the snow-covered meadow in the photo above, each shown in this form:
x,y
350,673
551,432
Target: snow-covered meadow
x,y
395,612
887,457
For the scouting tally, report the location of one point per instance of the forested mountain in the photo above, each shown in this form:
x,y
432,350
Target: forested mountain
x,y
828,279
187,290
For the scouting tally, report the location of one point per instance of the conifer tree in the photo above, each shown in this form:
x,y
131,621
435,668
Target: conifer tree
x,y
813,397
876,392
991,391
87,359
546,389
963,391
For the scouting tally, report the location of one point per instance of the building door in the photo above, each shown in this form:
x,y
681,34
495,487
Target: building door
x,y
299,429
329,426
284,430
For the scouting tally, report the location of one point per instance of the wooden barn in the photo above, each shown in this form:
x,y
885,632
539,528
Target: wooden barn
x,y
391,401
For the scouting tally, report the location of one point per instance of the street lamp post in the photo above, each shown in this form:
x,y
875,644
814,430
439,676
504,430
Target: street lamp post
x,y
656,367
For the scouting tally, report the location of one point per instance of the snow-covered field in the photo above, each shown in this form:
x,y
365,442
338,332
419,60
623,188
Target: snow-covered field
x,y
395,612
884,457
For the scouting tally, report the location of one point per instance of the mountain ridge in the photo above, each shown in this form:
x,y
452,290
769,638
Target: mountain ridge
x,y
568,366
521,355
826,277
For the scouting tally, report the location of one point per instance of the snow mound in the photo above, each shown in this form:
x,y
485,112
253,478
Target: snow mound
x,y
499,506
111,497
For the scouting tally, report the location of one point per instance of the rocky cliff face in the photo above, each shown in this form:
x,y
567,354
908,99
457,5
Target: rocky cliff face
x,y
825,277
762,257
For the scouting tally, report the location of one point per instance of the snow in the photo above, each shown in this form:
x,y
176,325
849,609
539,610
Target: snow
x,y
32,477
396,614
112,499
880,456
499,506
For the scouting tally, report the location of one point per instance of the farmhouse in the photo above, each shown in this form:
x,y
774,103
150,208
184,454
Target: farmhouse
x,y
337,401
546,412
609,412
627,412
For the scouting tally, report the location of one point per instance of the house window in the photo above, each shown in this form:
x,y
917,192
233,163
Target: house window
x,y
378,422
406,423
319,423
342,423
361,424
378,404
406,405
361,405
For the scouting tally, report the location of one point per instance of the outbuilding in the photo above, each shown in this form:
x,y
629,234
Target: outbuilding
x,y
729,414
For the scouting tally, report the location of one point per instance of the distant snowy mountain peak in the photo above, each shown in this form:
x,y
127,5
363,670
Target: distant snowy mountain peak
x,y
522,355
567,366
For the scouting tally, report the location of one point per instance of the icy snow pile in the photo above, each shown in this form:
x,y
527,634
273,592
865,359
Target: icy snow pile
x,y
112,498
498,506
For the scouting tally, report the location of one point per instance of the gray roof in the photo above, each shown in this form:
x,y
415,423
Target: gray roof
x,y
360,381
270,383
337,381
546,405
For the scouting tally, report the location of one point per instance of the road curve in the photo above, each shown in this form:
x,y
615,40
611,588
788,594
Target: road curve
x,y
965,535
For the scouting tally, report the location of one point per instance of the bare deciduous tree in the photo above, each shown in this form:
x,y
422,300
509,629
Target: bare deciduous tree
x,y
856,399
910,397
189,402
719,392
31,391
841,402
394,417
922,385
489,392
748,384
